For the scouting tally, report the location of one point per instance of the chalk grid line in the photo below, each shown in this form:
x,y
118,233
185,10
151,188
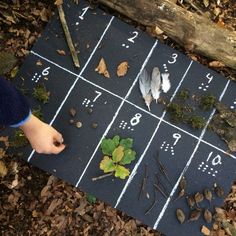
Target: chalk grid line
x,y
117,112
134,105
161,119
75,82
134,171
188,163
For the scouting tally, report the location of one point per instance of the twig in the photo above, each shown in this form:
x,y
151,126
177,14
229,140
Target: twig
x,y
153,204
102,176
161,185
144,182
163,170
68,36
160,190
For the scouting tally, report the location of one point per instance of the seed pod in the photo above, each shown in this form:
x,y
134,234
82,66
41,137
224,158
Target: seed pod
x,y
195,214
198,197
183,183
190,201
72,112
180,215
208,194
94,125
207,216
219,191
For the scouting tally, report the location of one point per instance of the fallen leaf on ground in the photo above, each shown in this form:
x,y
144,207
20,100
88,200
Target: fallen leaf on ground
x,y
102,68
216,64
122,69
3,169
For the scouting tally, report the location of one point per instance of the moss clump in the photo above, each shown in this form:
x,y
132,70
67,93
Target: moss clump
x,y
19,140
197,122
41,94
207,102
176,112
38,113
184,94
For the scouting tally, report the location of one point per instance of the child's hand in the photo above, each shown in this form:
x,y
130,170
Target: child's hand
x,y
42,137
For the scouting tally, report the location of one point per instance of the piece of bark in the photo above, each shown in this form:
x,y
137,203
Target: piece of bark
x,y
195,32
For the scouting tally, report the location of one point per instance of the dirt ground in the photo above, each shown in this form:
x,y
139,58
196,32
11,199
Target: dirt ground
x,y
35,203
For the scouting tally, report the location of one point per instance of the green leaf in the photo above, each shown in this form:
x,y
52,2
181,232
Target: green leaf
x,y
90,198
129,156
116,140
126,143
107,164
118,154
108,146
121,172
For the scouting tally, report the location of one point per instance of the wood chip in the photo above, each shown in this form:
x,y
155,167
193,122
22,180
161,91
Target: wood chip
x,y
61,52
122,69
205,230
102,68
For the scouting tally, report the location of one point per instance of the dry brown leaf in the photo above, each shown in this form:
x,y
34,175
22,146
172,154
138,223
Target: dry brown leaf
x,y
61,52
102,68
216,64
205,230
53,206
58,2
122,69
3,169
2,153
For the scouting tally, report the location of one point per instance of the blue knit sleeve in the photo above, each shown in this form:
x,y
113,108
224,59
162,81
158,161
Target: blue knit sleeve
x,y
14,108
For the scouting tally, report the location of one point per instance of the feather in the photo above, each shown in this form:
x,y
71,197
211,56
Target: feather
x,y
166,85
156,83
145,87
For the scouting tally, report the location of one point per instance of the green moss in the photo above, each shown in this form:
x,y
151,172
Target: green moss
x,y
207,102
38,113
183,94
197,122
176,112
41,94
19,140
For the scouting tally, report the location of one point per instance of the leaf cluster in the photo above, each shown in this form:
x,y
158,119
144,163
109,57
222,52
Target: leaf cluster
x,y
117,153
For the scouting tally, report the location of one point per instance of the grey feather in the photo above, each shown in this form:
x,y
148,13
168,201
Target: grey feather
x,y
156,83
145,87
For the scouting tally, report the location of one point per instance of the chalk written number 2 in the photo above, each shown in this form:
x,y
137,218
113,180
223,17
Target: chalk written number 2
x,y
135,33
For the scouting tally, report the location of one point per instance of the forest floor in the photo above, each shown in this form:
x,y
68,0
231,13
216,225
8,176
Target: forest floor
x,y
34,203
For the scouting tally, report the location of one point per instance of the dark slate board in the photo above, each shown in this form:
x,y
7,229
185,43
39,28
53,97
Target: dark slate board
x,y
117,100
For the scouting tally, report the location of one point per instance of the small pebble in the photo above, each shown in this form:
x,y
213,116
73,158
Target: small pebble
x,y
89,110
78,124
71,121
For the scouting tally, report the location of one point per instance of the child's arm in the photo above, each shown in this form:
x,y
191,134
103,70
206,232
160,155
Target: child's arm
x,y
15,112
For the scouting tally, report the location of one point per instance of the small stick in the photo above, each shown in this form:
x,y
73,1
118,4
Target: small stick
x,y
68,36
161,184
160,190
102,176
153,204
144,182
163,170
